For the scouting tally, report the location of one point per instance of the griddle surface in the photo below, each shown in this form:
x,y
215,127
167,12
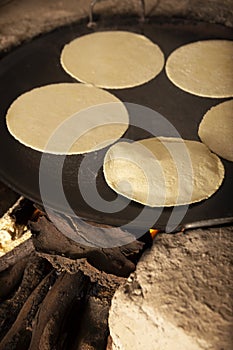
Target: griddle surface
x,y
37,63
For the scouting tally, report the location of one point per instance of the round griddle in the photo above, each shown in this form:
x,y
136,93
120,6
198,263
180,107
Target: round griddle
x,y
37,63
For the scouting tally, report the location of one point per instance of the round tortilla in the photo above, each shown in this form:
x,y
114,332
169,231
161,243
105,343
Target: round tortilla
x,y
85,118
113,59
163,171
216,129
203,68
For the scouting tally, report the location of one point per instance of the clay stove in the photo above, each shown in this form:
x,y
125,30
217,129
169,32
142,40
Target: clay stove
x,y
56,294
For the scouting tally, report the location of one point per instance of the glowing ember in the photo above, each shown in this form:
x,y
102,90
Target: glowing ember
x,y
36,214
153,233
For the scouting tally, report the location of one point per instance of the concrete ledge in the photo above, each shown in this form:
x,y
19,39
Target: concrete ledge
x,y
24,19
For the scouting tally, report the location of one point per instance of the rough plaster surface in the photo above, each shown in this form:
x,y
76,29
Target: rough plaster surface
x,y
180,297
23,19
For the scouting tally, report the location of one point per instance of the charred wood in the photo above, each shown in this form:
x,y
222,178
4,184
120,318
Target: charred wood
x,y
118,260
34,273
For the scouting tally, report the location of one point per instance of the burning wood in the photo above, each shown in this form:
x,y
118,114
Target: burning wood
x,y
12,232
54,292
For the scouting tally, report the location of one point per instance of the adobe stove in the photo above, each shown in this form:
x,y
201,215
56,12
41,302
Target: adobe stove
x,y
64,284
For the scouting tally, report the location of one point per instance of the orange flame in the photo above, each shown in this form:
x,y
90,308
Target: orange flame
x,y
153,233
36,214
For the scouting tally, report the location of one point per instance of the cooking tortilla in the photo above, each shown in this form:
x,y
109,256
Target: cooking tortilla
x,y
163,171
113,59
216,129
203,68
99,118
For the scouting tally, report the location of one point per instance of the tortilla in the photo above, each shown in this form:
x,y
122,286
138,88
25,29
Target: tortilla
x,y
99,118
113,59
147,171
203,68
216,129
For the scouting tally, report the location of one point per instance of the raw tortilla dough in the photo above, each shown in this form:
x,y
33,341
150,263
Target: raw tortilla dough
x,y
216,129
146,171
203,68
114,59
34,116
